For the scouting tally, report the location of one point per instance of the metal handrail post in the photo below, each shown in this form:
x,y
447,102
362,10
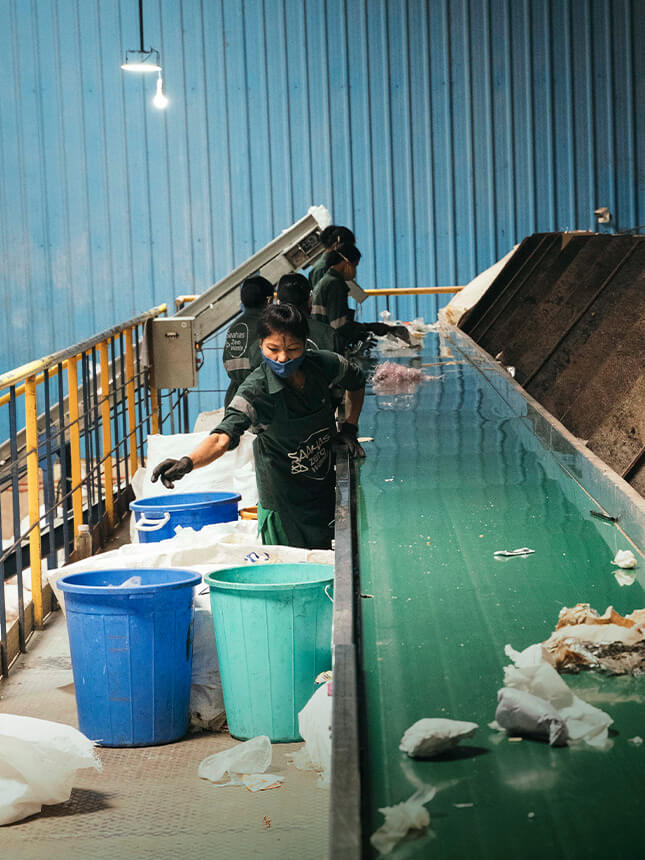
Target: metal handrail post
x,y
75,443
106,431
33,498
132,419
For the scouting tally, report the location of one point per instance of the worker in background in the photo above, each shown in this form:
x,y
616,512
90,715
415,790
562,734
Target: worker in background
x,y
287,402
241,350
295,289
332,237
330,301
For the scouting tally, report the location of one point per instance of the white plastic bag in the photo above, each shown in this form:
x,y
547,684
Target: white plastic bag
x,y
38,762
521,713
532,673
433,736
250,757
314,725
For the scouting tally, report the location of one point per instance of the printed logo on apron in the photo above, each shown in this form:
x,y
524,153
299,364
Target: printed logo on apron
x,y
313,455
237,340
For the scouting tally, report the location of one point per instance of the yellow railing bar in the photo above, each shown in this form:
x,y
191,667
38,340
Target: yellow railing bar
x,y
21,388
75,443
184,300
31,438
132,419
19,374
154,409
106,430
414,291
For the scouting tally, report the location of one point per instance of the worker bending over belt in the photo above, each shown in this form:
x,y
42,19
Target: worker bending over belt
x,y
332,237
287,403
294,289
241,352
330,300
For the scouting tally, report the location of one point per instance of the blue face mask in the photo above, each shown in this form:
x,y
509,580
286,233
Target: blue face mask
x,y
284,369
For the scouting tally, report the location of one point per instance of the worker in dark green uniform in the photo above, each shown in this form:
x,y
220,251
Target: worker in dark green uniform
x,y
241,349
286,401
332,237
295,289
330,301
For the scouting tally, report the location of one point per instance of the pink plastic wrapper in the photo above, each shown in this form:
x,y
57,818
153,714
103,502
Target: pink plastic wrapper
x,y
392,378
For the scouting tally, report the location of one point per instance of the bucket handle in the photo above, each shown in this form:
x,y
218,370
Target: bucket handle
x,y
327,592
144,525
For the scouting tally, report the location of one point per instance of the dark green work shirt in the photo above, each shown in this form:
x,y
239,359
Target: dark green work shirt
x,y
294,435
330,306
318,270
241,350
322,336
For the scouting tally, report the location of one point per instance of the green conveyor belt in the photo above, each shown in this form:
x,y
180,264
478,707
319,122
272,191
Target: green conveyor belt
x,y
450,477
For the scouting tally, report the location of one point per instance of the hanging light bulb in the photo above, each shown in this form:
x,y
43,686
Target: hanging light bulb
x,y
160,99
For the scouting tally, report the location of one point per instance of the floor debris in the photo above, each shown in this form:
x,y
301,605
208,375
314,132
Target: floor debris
x,y
625,558
511,553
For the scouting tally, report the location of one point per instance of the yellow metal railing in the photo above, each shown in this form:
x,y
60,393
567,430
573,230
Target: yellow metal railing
x,y
95,414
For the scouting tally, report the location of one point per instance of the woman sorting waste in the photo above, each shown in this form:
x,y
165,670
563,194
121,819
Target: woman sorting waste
x,y
330,300
332,237
287,402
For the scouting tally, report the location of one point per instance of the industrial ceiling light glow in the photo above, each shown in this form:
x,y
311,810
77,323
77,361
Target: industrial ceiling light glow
x,y
160,100
141,61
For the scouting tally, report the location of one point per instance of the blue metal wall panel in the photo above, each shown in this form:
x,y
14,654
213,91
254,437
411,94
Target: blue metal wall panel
x,y
442,131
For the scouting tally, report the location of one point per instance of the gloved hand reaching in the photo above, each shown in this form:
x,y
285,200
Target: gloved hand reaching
x,y
382,329
172,470
347,437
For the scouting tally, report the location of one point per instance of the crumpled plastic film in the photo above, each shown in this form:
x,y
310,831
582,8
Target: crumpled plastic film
x,y
38,762
250,757
411,814
433,736
521,713
533,674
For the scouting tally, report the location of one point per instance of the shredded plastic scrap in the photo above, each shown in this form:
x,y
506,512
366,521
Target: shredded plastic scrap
x,y
245,765
392,378
610,642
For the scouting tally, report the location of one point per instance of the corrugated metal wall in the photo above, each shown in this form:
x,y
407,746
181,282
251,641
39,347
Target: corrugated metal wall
x,y
442,131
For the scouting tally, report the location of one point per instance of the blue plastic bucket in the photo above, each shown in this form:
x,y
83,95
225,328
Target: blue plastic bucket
x,y
273,632
132,651
157,518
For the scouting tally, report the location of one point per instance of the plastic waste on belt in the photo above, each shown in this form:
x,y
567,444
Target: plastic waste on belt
x,y
273,631
131,651
156,518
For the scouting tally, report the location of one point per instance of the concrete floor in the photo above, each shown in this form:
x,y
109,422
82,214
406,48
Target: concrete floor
x,y
150,803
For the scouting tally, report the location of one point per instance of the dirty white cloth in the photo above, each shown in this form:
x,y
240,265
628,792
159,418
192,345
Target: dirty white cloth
x,y
250,757
625,558
533,674
401,818
38,763
521,713
433,736
314,725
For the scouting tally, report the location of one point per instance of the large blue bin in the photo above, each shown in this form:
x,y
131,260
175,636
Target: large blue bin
x,y
157,518
132,652
273,633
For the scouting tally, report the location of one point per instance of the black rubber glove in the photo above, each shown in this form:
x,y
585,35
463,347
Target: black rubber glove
x,y
382,329
347,437
172,470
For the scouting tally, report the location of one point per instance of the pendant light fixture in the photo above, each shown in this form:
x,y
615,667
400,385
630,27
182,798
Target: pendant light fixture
x,y
141,60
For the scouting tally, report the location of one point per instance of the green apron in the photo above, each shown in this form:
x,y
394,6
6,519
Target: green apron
x,y
294,468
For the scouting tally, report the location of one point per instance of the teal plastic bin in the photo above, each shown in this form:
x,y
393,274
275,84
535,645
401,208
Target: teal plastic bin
x,y
273,631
